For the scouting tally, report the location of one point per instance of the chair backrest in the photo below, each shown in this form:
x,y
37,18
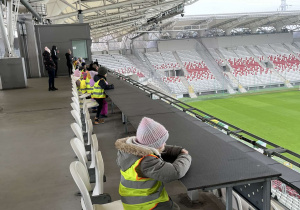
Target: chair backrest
x,y
94,149
75,100
238,202
79,149
90,128
76,116
77,131
80,174
75,107
99,174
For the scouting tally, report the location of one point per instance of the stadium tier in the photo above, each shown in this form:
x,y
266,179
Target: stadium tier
x,y
248,66
199,76
163,60
118,63
175,84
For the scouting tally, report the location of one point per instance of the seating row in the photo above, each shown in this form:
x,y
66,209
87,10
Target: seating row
x,y
88,176
163,60
175,84
118,63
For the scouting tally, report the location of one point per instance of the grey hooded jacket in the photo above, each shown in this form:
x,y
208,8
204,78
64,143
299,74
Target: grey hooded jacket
x,y
152,167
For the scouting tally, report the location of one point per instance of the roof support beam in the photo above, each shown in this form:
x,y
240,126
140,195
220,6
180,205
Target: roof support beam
x,y
131,19
104,7
115,15
126,24
68,4
33,12
117,5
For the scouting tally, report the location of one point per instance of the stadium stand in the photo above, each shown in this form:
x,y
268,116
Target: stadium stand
x,y
285,63
199,77
247,69
163,60
119,63
175,84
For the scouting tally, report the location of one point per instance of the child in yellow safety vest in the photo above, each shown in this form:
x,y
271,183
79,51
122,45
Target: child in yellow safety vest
x,y
81,85
146,163
99,91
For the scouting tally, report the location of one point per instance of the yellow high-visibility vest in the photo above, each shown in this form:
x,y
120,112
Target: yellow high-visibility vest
x,y
89,89
138,193
82,87
98,92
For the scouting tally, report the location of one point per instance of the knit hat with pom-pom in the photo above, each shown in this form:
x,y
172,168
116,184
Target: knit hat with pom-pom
x,y
150,133
77,73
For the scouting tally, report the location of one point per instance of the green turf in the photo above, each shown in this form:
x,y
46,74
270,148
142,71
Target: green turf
x,y
274,116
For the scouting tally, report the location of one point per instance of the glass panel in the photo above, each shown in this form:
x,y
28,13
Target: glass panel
x,y
79,49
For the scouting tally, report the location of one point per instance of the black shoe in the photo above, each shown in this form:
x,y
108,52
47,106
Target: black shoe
x,y
103,116
50,89
54,88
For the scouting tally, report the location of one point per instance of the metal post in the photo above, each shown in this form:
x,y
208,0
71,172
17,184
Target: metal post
x,y
10,31
123,118
112,107
4,34
228,198
267,195
80,16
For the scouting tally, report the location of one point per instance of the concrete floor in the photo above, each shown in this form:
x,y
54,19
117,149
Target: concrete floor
x,y
35,151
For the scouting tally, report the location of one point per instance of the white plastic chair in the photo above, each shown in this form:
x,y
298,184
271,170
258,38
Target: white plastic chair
x,y
75,107
89,128
83,96
79,150
76,116
75,100
77,131
236,200
80,176
94,149
99,169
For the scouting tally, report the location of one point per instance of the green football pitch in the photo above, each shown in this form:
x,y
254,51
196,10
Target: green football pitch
x,y
274,116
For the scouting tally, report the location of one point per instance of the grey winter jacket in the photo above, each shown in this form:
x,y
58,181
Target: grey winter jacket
x,y
152,167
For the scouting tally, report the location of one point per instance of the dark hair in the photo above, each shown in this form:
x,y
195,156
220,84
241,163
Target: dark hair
x,y
53,47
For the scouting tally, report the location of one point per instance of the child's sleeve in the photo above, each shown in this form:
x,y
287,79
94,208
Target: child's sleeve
x,y
158,169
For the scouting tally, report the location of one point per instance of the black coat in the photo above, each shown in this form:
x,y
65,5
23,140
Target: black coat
x,y
48,62
69,58
54,55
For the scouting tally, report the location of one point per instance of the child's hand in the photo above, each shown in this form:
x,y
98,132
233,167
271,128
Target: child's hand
x,y
184,151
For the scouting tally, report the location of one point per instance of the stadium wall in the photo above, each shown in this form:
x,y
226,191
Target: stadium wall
x,y
169,45
226,41
62,36
234,41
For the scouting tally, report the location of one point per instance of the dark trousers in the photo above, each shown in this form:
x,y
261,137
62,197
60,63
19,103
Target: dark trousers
x,y
51,74
56,67
69,68
99,108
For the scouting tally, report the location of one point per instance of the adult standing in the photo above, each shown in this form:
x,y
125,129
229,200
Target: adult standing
x,y
69,58
54,57
50,68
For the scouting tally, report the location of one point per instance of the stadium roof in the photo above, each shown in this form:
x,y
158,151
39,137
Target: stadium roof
x,y
113,16
227,22
117,18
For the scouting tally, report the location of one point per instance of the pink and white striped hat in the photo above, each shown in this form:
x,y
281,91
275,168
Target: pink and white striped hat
x,y
151,133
